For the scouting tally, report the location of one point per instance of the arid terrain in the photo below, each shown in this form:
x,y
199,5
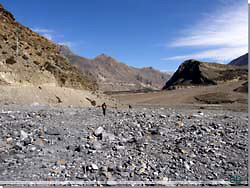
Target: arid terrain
x,y
221,96
167,136
139,144
52,126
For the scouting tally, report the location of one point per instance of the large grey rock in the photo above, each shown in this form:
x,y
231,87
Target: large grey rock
x,y
23,134
94,166
98,131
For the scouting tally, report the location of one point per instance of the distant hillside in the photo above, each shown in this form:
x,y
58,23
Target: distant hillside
x,y
38,60
193,72
112,75
240,61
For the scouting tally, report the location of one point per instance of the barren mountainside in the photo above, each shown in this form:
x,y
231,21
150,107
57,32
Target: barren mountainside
x,y
28,58
112,75
193,72
240,61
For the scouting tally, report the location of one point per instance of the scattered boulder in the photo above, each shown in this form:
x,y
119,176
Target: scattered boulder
x,y
59,99
25,57
163,116
99,131
11,60
93,102
94,166
23,135
78,149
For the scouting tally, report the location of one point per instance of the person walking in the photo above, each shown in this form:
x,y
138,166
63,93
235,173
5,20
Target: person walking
x,y
104,107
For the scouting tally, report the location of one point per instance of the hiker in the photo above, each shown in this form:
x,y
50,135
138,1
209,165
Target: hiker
x,y
104,106
129,106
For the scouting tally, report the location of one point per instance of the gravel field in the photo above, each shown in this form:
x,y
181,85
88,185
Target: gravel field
x,y
138,144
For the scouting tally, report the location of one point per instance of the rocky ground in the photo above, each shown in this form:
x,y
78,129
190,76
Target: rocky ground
x,y
144,144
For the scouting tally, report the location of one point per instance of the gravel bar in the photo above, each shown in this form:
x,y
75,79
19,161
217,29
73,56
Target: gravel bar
x,y
138,144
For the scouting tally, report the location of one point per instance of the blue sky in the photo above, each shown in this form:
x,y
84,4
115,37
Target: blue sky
x,y
157,33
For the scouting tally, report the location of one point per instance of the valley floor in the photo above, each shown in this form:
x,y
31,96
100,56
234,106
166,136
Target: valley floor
x,y
51,133
219,96
138,144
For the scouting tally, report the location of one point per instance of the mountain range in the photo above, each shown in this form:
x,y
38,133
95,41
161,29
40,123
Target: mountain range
x,y
28,58
112,75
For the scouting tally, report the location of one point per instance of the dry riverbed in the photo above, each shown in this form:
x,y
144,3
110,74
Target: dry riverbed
x,y
138,144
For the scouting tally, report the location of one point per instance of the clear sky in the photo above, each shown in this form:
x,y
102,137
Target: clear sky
x,y
157,33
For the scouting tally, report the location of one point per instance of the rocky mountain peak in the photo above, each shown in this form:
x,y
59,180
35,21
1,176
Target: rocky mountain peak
x,y
104,57
190,64
191,61
113,75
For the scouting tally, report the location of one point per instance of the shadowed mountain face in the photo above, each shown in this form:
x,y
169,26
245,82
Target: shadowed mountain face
x,y
193,72
240,61
28,58
112,75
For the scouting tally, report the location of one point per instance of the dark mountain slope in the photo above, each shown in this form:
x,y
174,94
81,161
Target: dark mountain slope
x,y
193,72
240,61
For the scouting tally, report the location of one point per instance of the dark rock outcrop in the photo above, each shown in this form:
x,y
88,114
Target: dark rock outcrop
x,y
188,73
193,72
